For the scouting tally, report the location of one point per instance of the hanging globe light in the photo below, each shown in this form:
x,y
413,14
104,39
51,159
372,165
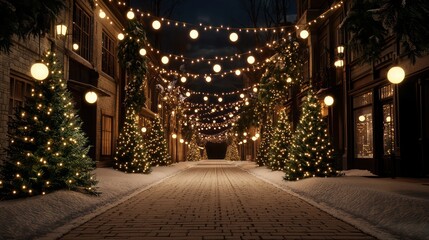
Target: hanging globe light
x,y
217,68
251,59
242,95
233,37
121,36
188,94
102,14
208,79
130,15
156,24
329,100
39,71
144,129
205,98
142,52
237,72
75,46
165,60
220,99
91,97
396,75
304,34
193,34
183,79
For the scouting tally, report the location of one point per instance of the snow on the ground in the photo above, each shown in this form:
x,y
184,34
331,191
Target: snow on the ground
x,y
36,216
357,173
384,207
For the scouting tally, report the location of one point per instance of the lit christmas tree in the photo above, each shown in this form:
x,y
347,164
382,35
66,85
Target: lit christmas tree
x,y
232,150
47,149
156,145
131,155
262,157
311,152
280,143
205,156
193,150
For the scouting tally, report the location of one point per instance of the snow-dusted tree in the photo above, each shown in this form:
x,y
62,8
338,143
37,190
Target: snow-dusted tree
x,y
193,150
232,150
47,150
311,152
280,143
156,145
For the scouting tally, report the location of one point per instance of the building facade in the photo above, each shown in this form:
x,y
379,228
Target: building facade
x,y
374,124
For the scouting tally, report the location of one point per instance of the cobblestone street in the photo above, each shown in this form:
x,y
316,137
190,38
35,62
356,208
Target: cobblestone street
x,y
215,200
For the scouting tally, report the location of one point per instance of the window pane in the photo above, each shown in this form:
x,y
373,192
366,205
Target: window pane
x,y
363,133
388,129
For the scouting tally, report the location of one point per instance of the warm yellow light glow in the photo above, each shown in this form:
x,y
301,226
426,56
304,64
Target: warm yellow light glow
x,y
188,94
362,118
339,63
142,52
289,80
388,119
257,135
182,140
156,24
242,95
39,71
75,46
193,34
205,98
208,79
304,34
121,36
183,79
237,72
217,68
144,129
329,100
165,60
340,49
220,99
251,59
130,15
255,89
61,29
244,141
102,14
254,138
396,75
233,37
174,136
91,97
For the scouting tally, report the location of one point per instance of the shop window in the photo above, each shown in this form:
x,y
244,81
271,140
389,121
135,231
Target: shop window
x,y
106,135
363,132
388,129
108,55
20,88
82,32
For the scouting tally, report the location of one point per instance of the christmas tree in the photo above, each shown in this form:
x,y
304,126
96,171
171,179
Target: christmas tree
x,y
232,151
280,143
262,157
131,155
156,145
47,150
193,150
205,156
311,152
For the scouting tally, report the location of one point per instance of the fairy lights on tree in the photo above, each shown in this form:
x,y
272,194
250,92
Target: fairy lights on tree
x,y
232,150
47,150
156,145
310,151
280,143
193,153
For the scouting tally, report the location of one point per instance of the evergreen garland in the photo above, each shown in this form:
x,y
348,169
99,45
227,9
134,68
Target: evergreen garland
x,y
47,150
310,152
280,143
156,145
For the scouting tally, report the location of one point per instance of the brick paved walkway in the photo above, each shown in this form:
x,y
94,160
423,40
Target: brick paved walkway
x,y
215,200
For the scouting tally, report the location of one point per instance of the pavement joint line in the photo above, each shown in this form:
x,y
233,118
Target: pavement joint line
x,y
64,229
362,224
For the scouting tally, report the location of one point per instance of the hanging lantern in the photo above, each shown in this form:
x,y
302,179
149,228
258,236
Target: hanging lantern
x,y
61,30
193,34
156,24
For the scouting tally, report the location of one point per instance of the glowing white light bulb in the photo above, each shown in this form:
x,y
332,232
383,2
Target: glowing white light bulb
x,y
251,59
156,24
130,15
237,72
217,68
183,79
193,34
142,52
233,37
165,60
121,36
304,34
208,79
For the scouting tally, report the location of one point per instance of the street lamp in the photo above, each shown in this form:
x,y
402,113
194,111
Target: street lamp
x,y
396,75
